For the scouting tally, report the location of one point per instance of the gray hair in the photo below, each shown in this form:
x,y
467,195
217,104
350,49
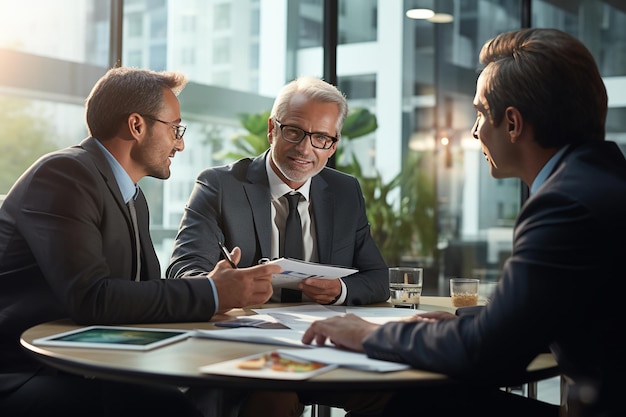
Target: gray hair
x,y
314,89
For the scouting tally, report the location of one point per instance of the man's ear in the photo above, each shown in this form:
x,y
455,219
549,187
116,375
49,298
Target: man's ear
x,y
136,125
514,121
132,128
333,148
270,130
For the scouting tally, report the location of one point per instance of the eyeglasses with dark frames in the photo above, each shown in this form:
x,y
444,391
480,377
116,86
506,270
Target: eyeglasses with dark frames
x,y
179,130
294,134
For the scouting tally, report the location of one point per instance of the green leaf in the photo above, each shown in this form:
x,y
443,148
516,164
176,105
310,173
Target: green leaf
x,y
359,122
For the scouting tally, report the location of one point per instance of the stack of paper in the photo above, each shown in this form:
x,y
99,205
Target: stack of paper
x,y
297,319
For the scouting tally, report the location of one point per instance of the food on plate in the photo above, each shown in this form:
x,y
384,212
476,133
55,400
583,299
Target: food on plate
x,y
256,363
275,362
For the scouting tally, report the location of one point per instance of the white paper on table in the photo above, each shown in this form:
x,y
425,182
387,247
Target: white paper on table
x,y
299,317
380,315
284,337
343,358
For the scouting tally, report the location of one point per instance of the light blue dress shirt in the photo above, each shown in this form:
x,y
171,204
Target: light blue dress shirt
x,y
543,174
127,187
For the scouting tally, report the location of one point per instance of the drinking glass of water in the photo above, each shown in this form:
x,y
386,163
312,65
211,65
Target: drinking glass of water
x,y
405,285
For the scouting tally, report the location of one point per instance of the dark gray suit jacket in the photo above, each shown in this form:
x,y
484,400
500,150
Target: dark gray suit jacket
x,y
232,203
67,250
562,287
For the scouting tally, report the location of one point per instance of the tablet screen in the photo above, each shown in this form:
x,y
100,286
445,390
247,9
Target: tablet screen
x,y
114,337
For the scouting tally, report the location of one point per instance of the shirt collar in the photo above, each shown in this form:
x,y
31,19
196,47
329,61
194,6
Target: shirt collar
x,y
278,188
127,187
544,173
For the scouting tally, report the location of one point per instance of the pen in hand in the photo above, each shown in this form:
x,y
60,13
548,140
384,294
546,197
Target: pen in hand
x,y
226,255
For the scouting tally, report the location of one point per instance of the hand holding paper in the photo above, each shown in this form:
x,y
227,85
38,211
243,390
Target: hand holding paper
x,y
295,270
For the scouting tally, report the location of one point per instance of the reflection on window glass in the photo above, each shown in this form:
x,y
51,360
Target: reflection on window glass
x,y
49,28
134,58
221,20
188,23
255,19
254,59
221,77
601,25
158,57
188,56
221,51
156,4
358,86
32,128
358,21
134,25
158,25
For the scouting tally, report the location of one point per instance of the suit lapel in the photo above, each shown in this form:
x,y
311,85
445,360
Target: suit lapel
x,y
258,195
103,166
147,248
323,209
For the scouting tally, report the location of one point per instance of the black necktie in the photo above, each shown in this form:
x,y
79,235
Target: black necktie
x,y
133,217
293,229
292,246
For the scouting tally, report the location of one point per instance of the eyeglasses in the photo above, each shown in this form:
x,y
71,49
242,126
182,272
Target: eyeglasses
x,y
179,130
293,134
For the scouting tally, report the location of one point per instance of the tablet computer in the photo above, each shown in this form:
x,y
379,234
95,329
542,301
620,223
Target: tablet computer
x,y
114,337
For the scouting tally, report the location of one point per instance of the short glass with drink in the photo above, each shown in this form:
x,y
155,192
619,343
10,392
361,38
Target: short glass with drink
x,y
405,285
464,292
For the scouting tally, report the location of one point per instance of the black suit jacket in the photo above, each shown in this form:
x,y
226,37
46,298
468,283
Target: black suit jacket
x,y
67,250
563,286
232,203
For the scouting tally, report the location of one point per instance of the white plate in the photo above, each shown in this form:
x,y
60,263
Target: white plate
x,y
231,368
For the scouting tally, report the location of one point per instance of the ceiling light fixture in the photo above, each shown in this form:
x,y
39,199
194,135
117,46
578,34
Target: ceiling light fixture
x,y
420,14
441,18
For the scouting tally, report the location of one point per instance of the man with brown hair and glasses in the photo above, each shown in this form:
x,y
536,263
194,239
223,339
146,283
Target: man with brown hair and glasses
x,y
74,243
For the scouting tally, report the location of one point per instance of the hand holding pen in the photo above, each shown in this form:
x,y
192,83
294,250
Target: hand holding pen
x,y
238,288
226,255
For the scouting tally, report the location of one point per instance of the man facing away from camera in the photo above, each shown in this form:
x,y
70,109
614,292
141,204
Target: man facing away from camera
x,y
541,107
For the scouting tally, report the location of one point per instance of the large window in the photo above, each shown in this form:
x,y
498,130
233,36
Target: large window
x,y
415,77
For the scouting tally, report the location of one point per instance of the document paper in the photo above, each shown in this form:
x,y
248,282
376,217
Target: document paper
x,y
298,319
295,270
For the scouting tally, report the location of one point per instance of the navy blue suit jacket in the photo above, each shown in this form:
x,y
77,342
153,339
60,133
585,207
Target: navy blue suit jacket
x,y
562,287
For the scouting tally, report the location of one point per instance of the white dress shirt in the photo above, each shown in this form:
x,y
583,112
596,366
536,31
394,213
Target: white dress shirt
x,y
279,212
